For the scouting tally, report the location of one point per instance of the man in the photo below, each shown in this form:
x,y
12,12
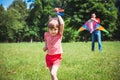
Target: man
x,y
96,34
94,27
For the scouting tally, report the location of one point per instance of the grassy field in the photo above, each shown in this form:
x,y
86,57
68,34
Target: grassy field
x,y
26,61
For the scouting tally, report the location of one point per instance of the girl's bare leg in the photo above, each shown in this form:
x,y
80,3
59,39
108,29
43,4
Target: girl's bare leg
x,y
53,72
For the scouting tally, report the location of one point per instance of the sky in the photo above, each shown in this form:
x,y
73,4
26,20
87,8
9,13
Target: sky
x,y
7,3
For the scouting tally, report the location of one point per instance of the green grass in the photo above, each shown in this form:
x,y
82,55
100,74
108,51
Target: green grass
x,y
26,61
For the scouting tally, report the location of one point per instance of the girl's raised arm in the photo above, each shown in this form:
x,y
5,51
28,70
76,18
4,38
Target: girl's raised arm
x,y
61,24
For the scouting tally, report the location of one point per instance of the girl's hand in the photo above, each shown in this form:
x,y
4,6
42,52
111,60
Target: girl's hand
x,y
93,19
58,10
45,49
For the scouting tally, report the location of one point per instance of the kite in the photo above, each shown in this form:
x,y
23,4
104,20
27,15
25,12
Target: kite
x,y
91,26
94,28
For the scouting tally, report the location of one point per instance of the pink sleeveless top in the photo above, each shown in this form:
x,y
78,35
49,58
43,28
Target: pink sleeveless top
x,y
53,43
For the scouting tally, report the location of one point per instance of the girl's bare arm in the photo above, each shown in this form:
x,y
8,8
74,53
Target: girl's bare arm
x,y
61,22
45,48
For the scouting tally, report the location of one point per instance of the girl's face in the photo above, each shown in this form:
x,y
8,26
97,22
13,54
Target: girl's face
x,y
53,31
93,15
53,26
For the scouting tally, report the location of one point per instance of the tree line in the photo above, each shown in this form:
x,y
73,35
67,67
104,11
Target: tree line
x,y
19,23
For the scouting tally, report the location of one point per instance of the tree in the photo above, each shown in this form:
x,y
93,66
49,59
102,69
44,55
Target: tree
x,y
79,11
116,33
22,12
18,23
2,24
1,8
33,20
38,17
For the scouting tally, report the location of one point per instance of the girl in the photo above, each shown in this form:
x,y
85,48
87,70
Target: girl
x,y
53,46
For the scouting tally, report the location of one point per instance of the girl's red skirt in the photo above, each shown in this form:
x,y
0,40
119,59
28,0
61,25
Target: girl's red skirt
x,y
53,59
